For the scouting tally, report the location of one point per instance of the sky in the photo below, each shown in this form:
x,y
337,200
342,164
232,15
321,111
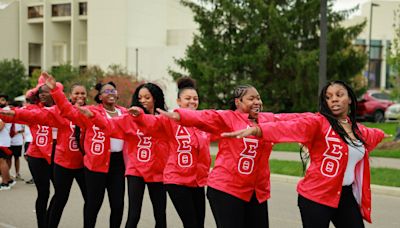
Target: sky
x,y
347,4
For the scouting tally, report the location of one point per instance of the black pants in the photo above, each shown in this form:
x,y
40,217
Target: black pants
x,y
42,173
316,215
97,183
232,212
158,197
63,179
190,203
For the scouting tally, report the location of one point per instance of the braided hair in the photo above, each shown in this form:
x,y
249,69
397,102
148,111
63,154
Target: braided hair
x,y
238,93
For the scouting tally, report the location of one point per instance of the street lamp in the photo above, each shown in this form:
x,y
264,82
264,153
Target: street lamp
x,y
369,41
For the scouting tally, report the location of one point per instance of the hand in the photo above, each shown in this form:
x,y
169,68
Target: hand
x,y
172,115
256,131
388,135
50,81
135,111
85,112
7,112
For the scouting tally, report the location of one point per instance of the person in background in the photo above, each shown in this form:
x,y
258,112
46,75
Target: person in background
x,y
17,140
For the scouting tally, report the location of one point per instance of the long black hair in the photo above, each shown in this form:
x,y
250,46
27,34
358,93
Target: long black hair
x,y
156,92
98,87
238,92
325,111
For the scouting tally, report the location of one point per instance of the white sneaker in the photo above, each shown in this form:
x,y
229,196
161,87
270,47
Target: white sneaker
x,y
4,187
11,183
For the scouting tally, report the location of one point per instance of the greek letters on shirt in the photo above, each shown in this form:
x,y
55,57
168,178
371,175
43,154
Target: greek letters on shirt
x,y
98,139
246,160
332,154
42,137
72,143
144,147
184,149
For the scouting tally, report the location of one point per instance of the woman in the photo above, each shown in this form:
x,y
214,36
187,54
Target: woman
x,y
103,159
68,158
40,154
336,186
238,185
186,171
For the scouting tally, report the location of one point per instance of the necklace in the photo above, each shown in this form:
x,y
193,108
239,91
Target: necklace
x,y
344,121
115,111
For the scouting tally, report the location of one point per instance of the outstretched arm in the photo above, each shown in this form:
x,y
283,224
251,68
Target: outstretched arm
x,y
255,131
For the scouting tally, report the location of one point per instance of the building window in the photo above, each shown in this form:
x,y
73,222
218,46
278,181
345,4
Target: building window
x,y
35,12
61,10
59,53
82,8
35,54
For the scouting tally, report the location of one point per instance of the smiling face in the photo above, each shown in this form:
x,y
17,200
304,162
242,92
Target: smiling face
x,y
78,95
44,95
146,99
338,100
188,98
250,102
108,95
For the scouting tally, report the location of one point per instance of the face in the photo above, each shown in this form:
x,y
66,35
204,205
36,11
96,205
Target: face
x,y
78,95
44,95
188,99
3,102
338,100
146,99
250,103
108,95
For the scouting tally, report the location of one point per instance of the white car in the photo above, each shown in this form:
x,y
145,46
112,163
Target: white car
x,y
392,113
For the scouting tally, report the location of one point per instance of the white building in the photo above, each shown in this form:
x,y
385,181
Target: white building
x,y
142,35
382,35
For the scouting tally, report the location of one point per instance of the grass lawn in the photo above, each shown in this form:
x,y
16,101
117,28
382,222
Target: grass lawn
x,y
389,128
379,176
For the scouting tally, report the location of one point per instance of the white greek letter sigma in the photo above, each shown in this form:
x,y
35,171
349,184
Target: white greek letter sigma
x,y
184,150
246,160
42,136
73,143
144,147
98,139
332,155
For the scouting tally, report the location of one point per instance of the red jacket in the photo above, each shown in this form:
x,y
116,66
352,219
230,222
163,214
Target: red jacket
x,y
67,152
188,148
42,143
323,180
144,155
241,167
96,130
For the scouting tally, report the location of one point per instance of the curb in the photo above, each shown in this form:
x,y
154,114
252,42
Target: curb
x,y
376,189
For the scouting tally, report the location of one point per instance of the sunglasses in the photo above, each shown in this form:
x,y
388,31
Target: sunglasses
x,y
109,91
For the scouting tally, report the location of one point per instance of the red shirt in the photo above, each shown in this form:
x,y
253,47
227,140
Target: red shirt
x,y
188,148
241,166
67,152
145,156
323,180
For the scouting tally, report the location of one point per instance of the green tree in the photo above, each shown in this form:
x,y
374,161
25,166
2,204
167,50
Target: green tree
x,y
14,81
394,58
272,45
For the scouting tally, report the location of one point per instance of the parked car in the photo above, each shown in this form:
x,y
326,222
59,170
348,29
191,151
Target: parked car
x,y
393,112
372,106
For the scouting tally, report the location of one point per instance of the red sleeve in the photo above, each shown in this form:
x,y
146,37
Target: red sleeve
x,y
299,130
211,121
291,116
372,136
39,116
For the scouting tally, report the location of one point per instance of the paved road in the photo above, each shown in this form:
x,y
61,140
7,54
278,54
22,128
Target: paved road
x,y
17,208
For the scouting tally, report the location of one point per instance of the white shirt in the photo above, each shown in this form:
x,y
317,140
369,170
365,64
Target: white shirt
x,y
18,138
27,134
356,153
5,139
116,145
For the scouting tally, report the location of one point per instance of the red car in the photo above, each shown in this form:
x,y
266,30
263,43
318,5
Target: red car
x,y
372,106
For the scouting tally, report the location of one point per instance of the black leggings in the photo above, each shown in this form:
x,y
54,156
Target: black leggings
x,y
190,203
158,197
232,212
42,173
63,179
316,215
97,183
